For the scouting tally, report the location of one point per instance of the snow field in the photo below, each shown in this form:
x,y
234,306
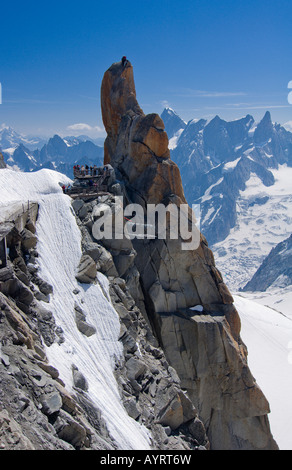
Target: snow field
x,y
268,337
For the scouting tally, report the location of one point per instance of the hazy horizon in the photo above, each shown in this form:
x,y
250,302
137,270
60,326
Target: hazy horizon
x,y
201,58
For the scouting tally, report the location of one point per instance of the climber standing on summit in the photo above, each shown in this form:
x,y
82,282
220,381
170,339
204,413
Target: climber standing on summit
x,y
124,61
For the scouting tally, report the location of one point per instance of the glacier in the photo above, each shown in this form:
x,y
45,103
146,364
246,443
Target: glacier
x,y
259,227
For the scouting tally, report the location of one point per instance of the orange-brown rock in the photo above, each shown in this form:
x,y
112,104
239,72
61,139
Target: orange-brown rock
x,y
136,144
186,300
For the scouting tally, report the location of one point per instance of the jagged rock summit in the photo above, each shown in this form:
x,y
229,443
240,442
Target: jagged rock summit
x,y
136,144
185,298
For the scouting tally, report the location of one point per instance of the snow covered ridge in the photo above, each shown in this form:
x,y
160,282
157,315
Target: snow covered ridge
x,y
206,152
26,153
59,254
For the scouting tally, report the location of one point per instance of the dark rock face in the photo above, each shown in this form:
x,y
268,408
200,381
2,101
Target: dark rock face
x,y
2,163
173,281
276,269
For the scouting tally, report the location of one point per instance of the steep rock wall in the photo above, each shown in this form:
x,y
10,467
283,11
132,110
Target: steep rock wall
x,y
206,350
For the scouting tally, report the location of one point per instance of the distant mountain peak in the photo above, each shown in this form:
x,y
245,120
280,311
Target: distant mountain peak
x,y
264,129
267,116
172,122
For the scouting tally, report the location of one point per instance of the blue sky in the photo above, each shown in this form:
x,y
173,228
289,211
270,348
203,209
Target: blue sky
x,y
200,57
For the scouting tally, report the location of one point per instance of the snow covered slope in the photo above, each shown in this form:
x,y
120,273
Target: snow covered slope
x,y
277,298
59,255
268,337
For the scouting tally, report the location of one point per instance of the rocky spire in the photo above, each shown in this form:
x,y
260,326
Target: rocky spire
x,y
186,300
264,130
136,144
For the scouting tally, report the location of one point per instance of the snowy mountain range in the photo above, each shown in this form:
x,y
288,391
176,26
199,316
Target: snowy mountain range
x,y
239,172
10,139
28,153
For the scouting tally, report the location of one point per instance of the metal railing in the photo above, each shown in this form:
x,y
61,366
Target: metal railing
x,y
86,191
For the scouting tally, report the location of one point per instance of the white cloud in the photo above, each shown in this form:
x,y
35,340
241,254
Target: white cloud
x,y
165,104
190,93
79,127
83,127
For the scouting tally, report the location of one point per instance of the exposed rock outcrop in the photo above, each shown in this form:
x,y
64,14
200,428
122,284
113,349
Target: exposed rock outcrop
x,y
136,144
205,350
2,163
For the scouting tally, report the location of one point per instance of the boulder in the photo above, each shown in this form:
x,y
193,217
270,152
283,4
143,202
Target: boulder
x,y
135,368
70,430
28,239
82,325
78,379
51,403
87,270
